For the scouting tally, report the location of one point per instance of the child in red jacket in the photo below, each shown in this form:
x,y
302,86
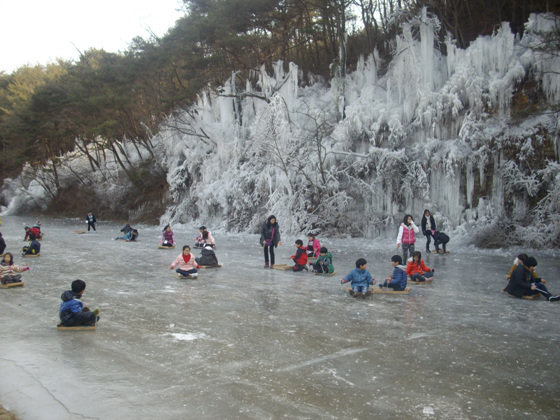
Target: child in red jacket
x,y
417,270
300,259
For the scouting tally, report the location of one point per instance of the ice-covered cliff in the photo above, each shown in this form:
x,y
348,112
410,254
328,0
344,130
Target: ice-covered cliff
x,y
470,134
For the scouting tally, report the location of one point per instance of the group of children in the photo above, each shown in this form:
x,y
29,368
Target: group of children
x,y
360,278
9,272
522,278
406,237
186,263
313,250
33,235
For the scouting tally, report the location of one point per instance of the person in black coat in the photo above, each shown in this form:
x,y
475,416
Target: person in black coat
x,y
91,221
207,257
270,239
34,248
428,225
522,283
440,238
2,244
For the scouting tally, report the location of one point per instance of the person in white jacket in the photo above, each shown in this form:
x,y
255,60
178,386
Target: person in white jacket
x,y
406,237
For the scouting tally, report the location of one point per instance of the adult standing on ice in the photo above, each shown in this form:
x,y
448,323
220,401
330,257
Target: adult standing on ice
x,y
428,225
406,237
270,239
91,221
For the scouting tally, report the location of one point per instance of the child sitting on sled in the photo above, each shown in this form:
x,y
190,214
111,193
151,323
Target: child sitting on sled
x,y
324,262
72,311
397,281
360,279
205,238
300,259
417,270
207,257
185,263
34,248
167,237
9,272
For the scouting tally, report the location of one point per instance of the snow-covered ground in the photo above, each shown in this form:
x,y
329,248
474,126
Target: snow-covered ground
x,y
242,342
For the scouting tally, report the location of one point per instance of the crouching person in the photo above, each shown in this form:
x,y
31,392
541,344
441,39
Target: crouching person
x,y
72,311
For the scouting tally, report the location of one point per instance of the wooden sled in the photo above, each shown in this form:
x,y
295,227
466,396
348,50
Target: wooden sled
x,y
180,277
529,297
325,274
283,267
166,247
16,284
389,291
61,327
441,252
31,255
211,266
79,232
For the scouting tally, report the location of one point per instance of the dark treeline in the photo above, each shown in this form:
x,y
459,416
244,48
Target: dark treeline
x,y
104,97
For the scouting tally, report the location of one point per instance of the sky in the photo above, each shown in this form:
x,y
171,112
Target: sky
x,y
39,31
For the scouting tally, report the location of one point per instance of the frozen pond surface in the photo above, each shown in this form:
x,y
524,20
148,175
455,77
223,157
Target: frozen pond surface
x,y
242,342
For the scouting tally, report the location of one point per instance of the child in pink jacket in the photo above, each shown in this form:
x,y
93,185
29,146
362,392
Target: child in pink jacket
x,y
313,246
185,263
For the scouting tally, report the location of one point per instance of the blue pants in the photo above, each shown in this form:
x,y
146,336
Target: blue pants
x,y
394,286
360,289
541,289
186,273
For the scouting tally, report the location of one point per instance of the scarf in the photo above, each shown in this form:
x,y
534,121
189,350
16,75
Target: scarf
x,y
186,258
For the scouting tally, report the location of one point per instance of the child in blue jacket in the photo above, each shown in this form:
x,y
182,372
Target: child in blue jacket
x,y
72,311
360,279
397,282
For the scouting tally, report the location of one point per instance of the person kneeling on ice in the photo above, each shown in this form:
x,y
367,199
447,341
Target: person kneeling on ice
x,y
440,238
72,311
207,257
34,248
32,233
324,262
397,282
185,263
300,259
9,272
417,270
360,279
522,283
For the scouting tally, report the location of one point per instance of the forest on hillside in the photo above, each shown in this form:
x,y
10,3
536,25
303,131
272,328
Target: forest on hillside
x,y
318,112
105,98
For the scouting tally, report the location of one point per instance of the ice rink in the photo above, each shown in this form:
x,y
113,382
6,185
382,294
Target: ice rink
x,y
242,342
